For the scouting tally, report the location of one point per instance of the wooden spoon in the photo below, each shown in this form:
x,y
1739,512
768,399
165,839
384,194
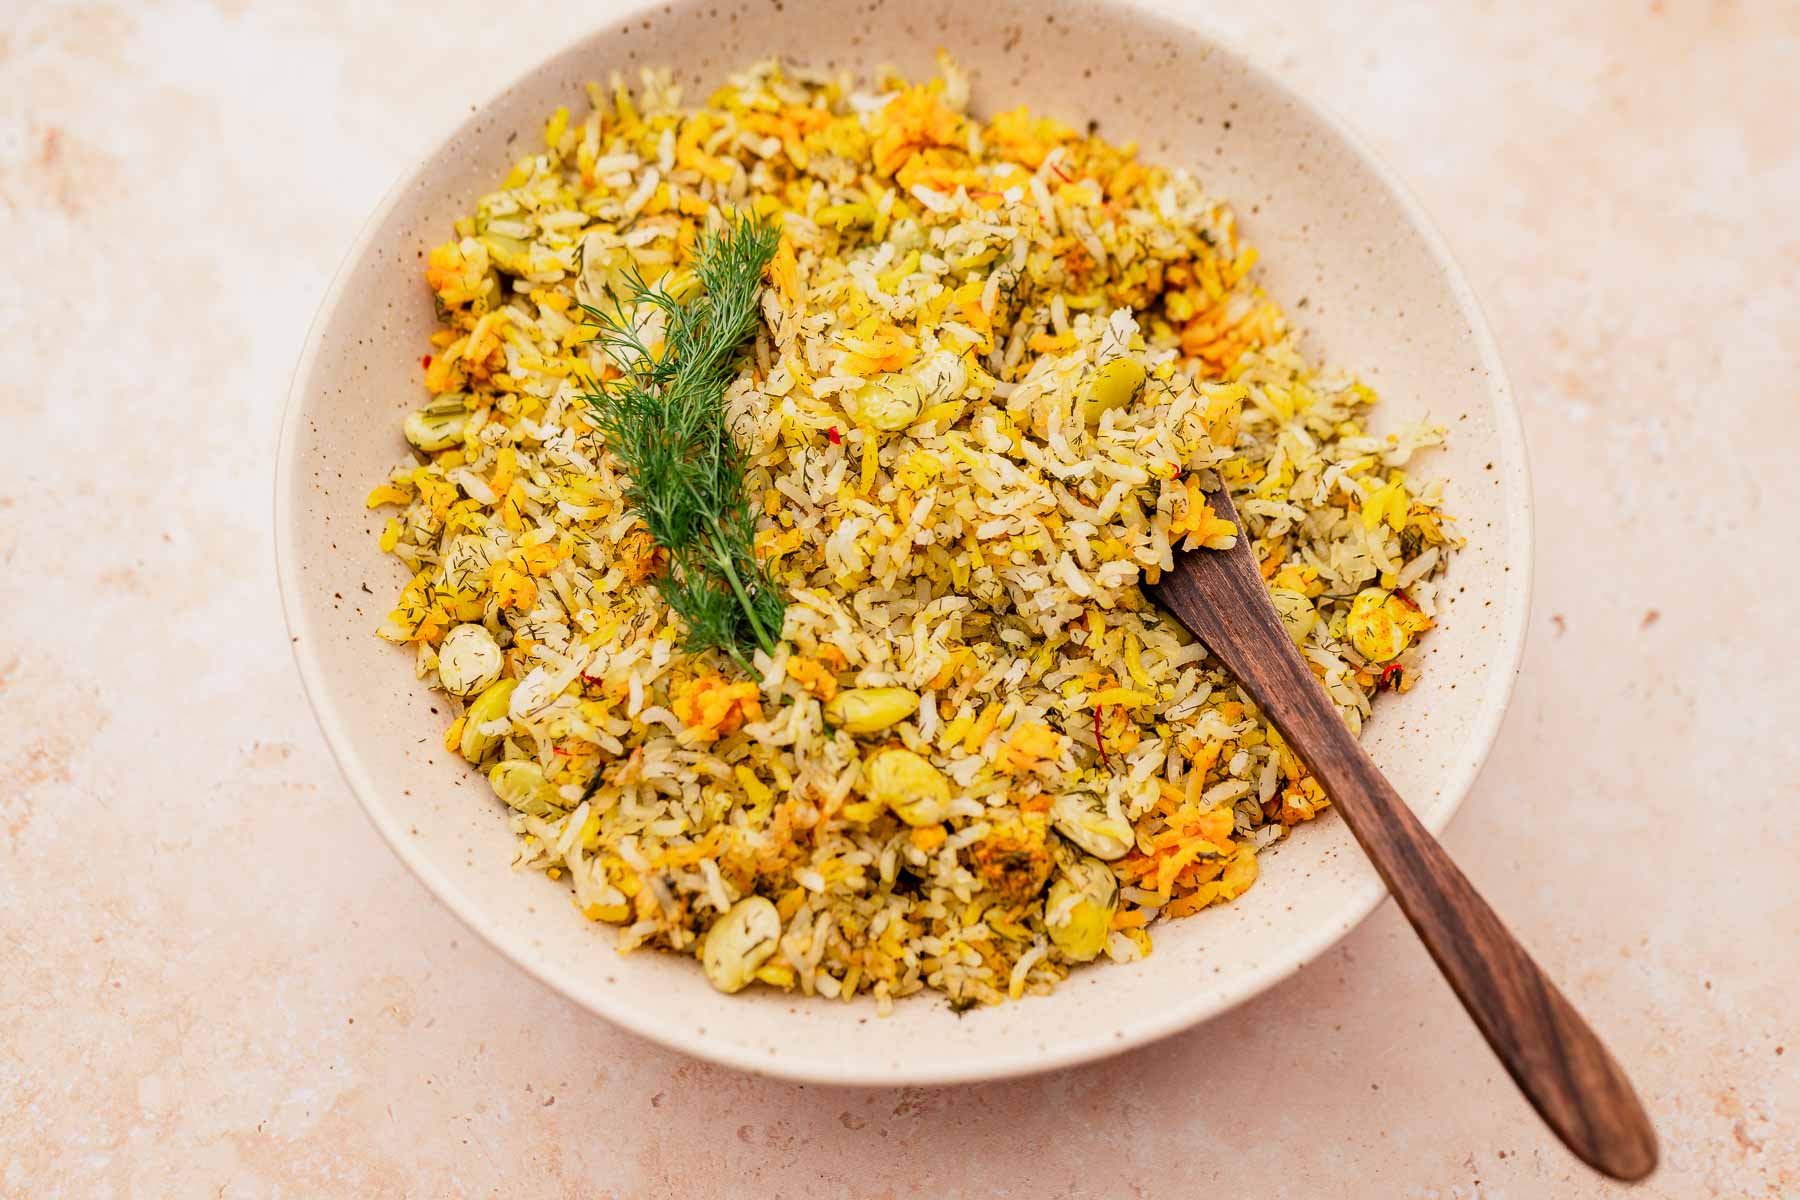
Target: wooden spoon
x,y
1546,1047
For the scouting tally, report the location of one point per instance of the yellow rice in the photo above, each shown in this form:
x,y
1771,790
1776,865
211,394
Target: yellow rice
x,y
984,558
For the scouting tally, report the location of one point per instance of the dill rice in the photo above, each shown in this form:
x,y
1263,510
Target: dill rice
x,y
933,737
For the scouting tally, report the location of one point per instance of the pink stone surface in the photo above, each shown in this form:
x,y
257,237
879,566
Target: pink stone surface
x,y
216,981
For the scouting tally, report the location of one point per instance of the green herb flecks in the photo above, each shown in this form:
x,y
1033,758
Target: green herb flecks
x,y
664,419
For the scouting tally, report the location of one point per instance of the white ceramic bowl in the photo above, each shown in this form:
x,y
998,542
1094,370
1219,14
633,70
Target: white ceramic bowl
x,y
1335,230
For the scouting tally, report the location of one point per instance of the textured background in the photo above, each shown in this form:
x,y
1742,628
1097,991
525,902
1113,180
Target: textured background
x,y
215,980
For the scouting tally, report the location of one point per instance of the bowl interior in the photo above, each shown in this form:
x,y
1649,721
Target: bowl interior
x,y
1342,249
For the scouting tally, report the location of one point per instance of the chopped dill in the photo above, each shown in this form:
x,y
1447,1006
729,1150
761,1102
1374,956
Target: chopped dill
x,y
664,419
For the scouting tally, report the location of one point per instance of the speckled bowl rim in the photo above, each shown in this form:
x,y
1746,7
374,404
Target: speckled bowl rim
x,y
1513,600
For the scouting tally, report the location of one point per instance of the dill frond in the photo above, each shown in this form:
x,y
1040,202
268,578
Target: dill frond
x,y
664,419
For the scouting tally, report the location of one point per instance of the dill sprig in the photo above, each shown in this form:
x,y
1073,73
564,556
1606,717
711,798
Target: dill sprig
x,y
664,419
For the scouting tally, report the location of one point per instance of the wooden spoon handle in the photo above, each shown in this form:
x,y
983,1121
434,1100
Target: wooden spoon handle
x,y
1551,1053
